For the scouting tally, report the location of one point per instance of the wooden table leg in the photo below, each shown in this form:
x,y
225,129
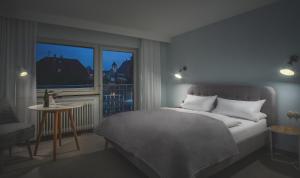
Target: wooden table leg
x,y
299,152
271,143
73,128
41,125
59,128
55,135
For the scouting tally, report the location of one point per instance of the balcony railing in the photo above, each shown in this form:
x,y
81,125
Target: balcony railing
x,y
117,98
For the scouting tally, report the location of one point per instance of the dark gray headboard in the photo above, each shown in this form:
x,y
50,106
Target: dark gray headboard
x,y
240,92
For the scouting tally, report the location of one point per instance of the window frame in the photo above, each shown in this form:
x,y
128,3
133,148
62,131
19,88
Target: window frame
x,y
135,71
75,91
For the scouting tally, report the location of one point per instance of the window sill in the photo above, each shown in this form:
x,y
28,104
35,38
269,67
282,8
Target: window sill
x,y
40,94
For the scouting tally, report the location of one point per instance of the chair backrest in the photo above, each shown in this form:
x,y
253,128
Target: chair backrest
x,y
7,114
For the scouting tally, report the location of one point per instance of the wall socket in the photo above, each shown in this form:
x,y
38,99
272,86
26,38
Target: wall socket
x,y
292,114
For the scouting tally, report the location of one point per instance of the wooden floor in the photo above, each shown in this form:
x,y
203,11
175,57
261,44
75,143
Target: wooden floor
x,y
93,161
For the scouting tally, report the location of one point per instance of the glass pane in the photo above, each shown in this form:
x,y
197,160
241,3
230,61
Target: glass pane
x,y
64,66
117,81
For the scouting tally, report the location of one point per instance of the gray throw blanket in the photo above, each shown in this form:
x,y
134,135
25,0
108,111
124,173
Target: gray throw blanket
x,y
174,144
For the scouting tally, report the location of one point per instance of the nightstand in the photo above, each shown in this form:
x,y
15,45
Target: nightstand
x,y
285,130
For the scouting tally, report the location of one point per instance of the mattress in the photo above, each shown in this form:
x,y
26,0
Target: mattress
x,y
244,130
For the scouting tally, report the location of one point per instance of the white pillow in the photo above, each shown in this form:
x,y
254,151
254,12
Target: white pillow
x,y
260,115
199,103
249,110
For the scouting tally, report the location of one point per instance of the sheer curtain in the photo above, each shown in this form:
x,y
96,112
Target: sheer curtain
x,y
17,54
150,75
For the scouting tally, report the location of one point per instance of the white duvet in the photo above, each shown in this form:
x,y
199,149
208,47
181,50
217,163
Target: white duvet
x,y
172,143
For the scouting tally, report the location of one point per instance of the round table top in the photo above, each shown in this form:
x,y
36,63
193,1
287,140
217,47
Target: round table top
x,y
285,130
55,107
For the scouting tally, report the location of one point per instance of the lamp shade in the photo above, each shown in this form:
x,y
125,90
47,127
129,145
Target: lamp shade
x,y
289,70
23,73
178,75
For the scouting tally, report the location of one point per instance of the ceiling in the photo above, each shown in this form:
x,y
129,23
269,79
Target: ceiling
x,y
151,19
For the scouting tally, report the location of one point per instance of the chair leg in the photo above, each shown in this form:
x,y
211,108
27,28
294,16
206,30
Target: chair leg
x,y
1,160
10,151
29,149
106,144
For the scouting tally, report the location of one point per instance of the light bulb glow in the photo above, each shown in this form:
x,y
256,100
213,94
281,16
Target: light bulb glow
x,y
23,74
287,72
178,76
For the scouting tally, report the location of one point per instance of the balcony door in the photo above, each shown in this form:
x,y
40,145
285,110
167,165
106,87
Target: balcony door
x,y
118,81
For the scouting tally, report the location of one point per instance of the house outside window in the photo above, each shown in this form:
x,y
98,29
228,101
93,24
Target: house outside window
x,y
64,66
118,81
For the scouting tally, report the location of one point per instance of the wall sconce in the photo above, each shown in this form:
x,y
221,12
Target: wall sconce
x,y
288,70
178,75
23,73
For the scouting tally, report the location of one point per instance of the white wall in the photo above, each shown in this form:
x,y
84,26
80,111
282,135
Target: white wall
x,y
67,33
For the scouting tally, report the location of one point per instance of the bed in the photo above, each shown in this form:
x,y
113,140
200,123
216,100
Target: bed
x,y
248,136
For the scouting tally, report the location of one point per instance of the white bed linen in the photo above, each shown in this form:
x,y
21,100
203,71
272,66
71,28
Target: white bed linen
x,y
242,131
248,129
228,121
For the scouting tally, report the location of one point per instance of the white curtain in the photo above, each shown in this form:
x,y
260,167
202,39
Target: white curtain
x,y
17,53
150,75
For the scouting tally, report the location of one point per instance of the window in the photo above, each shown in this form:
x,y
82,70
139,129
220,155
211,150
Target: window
x,y
64,66
118,81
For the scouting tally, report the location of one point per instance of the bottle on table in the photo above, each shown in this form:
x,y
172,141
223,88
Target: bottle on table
x,y
46,98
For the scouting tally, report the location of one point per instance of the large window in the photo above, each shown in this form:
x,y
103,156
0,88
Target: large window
x,y
64,66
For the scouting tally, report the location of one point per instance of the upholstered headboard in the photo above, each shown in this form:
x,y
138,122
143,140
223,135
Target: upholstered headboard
x,y
240,92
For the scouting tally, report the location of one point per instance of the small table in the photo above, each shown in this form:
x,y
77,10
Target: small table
x,y
286,130
57,109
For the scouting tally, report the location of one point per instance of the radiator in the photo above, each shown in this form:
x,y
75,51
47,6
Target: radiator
x,y
84,119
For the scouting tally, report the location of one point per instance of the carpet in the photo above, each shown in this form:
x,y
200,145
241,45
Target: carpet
x,y
92,161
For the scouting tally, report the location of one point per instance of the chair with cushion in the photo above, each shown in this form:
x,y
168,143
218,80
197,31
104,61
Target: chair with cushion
x,y
13,132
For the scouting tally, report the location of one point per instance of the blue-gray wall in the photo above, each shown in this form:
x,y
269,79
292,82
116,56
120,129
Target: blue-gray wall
x,y
247,49
163,58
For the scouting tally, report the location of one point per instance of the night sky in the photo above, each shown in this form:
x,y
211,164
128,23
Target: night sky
x,y
114,56
85,55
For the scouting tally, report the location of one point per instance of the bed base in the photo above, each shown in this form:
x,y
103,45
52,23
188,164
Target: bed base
x,y
246,147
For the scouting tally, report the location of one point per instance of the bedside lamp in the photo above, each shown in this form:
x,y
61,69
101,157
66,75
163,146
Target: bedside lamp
x,y
292,115
23,73
289,70
178,75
